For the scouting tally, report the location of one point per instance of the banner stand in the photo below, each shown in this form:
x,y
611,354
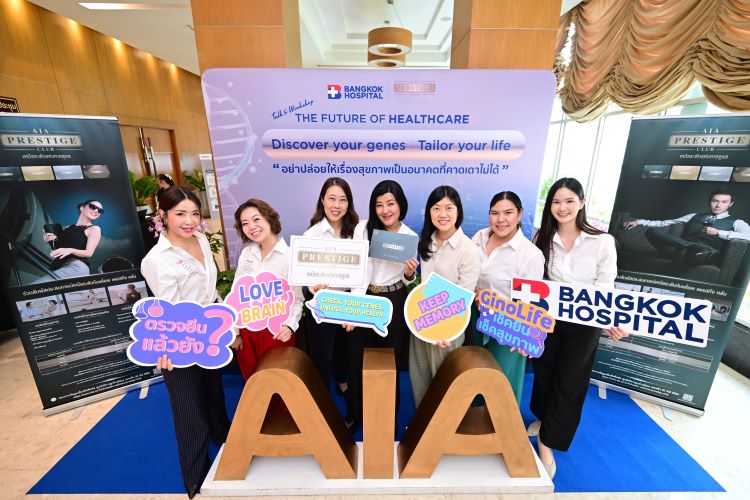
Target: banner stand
x,y
645,397
98,397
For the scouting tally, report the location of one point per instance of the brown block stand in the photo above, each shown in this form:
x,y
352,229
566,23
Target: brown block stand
x,y
307,423
445,422
379,412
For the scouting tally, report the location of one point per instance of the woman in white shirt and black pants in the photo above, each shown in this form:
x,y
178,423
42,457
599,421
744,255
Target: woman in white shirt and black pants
x,y
181,268
575,252
334,217
388,279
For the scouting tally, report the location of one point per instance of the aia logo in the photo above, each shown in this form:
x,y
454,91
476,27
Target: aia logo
x,y
531,292
334,91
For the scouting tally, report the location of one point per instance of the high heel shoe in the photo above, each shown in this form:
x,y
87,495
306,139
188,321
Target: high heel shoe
x,y
550,467
533,429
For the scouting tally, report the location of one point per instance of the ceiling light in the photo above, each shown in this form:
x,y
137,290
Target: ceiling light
x,y
386,61
388,42
132,6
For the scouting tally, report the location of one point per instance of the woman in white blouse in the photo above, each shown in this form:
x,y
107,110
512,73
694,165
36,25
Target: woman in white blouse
x,y
506,253
334,217
446,250
575,252
388,207
180,267
258,224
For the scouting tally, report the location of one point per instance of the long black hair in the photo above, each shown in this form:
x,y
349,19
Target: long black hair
x,y
548,228
350,219
381,188
437,194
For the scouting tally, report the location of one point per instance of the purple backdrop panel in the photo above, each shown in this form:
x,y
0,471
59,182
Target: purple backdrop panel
x,y
277,134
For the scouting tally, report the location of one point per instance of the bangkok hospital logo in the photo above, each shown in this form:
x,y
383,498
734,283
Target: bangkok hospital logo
x,y
334,91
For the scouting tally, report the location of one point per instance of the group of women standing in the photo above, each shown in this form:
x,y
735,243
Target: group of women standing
x,y
566,248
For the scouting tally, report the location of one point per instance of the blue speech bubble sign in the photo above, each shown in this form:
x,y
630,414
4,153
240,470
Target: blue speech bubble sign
x,y
368,311
188,333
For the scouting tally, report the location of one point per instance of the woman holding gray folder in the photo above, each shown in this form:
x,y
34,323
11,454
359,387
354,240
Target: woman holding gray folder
x,y
388,279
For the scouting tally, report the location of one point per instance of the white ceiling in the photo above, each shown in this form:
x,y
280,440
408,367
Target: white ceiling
x,y
333,33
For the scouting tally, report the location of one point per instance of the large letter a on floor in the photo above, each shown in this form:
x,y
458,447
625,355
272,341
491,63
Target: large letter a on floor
x,y
445,422
311,426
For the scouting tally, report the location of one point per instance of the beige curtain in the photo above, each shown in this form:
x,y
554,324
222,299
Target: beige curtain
x,y
645,55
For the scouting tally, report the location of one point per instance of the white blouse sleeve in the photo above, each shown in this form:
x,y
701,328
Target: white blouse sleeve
x,y
606,262
161,280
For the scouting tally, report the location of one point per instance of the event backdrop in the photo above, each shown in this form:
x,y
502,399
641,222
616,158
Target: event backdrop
x,y
277,134
74,330
671,169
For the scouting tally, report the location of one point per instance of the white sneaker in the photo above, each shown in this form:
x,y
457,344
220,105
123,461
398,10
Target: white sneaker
x,y
533,430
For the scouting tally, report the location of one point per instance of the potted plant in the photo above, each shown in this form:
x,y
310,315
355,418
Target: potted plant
x,y
144,189
198,182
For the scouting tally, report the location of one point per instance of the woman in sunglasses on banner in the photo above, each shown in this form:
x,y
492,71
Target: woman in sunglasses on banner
x,y
334,218
506,253
258,224
181,268
388,279
574,252
76,244
447,251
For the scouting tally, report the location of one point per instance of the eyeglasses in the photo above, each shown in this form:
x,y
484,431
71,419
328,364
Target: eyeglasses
x,y
95,207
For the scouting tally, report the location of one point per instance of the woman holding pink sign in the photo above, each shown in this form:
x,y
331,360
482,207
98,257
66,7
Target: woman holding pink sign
x,y
506,253
258,223
181,268
574,252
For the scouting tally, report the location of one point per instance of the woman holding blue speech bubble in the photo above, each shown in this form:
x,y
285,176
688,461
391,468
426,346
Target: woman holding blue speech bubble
x,y
334,218
180,267
506,253
388,279
574,252
447,251
258,224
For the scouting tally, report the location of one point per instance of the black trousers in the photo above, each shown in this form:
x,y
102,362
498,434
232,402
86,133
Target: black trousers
x,y
361,338
197,399
327,344
561,381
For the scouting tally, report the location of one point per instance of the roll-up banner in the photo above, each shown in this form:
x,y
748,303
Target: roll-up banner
x,y
71,249
680,220
277,134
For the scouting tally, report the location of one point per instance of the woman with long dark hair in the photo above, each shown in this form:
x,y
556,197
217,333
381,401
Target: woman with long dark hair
x,y
181,268
446,250
76,244
506,253
388,279
258,224
334,217
574,252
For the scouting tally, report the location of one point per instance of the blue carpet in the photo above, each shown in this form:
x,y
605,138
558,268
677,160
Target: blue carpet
x,y
618,448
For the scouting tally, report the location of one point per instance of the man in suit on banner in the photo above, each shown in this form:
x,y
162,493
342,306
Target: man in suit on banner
x,y
702,239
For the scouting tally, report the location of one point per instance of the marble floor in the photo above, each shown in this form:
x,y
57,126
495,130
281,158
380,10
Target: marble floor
x,y
31,443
